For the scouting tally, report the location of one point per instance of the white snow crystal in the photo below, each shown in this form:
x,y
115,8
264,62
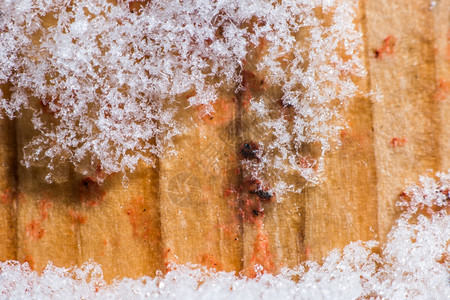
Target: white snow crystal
x,y
102,83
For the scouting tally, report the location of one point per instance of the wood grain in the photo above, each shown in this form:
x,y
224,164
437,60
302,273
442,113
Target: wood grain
x,y
406,118
44,226
199,218
194,206
8,191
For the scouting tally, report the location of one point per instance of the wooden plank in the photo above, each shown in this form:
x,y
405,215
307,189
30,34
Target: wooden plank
x,y
199,216
401,67
44,231
117,226
257,213
343,207
8,187
273,225
44,226
441,17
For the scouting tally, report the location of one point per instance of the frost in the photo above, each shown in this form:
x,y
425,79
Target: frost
x,y
414,264
103,85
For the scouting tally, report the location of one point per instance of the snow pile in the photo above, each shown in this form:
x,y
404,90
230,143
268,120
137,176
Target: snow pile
x,y
102,85
414,263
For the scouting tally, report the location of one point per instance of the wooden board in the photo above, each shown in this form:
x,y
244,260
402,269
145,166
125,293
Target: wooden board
x,y
190,207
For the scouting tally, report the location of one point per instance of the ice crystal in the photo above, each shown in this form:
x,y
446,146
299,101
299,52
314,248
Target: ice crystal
x,y
102,84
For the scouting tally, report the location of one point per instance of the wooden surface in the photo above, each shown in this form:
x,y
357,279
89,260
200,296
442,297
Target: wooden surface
x,y
187,208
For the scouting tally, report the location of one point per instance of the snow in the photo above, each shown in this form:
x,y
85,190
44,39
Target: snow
x,y
102,83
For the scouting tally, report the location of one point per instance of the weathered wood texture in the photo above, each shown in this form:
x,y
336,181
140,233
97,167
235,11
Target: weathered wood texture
x,y
186,209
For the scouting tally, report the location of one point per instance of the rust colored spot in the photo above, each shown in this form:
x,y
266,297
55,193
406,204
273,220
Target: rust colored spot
x,y
307,162
230,230
357,139
7,196
209,261
387,48
91,193
398,142
261,255
169,259
229,192
44,206
222,111
142,220
404,197
442,90
445,258
343,133
30,260
34,230
77,218
307,251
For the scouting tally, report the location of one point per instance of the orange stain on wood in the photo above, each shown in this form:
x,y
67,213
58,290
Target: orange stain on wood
x,y
208,260
307,162
307,252
261,255
44,206
355,138
442,90
222,112
35,229
169,259
387,48
30,260
77,218
141,220
229,230
7,196
398,142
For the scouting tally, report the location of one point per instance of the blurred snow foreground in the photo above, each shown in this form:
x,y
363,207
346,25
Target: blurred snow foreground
x,y
102,86
414,264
